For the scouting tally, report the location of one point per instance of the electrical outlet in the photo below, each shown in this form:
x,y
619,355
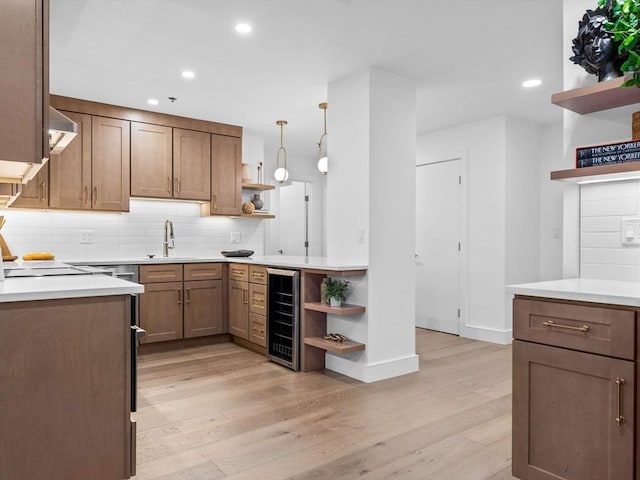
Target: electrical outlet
x,y
360,236
86,236
235,237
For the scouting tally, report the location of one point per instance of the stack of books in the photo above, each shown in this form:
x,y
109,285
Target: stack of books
x,y
608,153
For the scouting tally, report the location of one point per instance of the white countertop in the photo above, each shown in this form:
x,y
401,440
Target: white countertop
x,y
318,263
64,286
583,289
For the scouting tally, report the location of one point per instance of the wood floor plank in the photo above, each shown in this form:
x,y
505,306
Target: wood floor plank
x,y
221,412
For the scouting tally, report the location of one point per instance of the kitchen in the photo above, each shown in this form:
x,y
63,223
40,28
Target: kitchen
x,y
115,234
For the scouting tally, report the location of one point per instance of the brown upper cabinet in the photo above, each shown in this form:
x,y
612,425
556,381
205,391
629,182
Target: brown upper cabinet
x,y
24,80
226,176
70,170
92,172
170,162
34,194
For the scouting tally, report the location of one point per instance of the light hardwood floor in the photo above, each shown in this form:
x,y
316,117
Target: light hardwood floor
x,y
222,412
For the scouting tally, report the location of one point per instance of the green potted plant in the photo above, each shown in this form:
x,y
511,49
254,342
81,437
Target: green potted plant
x,y
336,291
624,24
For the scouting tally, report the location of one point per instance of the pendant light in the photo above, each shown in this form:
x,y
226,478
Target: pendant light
x,y
281,174
323,161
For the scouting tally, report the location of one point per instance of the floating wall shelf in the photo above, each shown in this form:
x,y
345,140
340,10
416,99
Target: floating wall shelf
x,y
597,97
600,173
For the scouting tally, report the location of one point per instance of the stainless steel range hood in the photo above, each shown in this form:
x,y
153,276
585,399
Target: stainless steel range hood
x,y
61,131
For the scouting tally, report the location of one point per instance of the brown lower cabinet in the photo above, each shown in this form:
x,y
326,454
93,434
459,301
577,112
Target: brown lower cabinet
x,y
181,301
65,389
248,302
239,309
574,390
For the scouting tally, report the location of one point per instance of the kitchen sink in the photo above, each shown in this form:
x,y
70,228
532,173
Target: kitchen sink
x,y
168,259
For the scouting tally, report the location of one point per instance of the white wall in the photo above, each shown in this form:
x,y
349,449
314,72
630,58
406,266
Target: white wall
x,y
128,235
551,201
602,208
504,213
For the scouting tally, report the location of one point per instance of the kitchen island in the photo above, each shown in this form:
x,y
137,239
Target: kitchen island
x,y
576,350
65,378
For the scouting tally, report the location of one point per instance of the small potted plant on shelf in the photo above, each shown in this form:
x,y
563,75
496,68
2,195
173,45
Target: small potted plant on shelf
x,y
336,291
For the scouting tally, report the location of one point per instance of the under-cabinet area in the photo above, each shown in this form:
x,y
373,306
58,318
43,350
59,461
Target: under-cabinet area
x,y
575,367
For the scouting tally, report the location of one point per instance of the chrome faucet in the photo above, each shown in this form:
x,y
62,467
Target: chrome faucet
x,y
168,234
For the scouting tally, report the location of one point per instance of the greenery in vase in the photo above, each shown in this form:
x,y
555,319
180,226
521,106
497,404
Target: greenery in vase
x,y
624,24
336,289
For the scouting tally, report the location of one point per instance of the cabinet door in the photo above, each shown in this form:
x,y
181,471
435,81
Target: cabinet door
x,y
191,165
239,309
565,406
35,194
203,308
110,164
151,160
161,311
70,170
24,80
64,371
226,175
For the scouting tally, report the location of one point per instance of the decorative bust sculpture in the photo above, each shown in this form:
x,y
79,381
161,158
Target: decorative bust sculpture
x,y
594,48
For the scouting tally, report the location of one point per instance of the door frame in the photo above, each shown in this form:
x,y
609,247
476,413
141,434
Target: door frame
x,y
463,221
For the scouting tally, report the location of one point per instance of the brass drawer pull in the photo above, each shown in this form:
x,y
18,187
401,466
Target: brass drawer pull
x,y
179,296
188,295
257,275
620,417
551,323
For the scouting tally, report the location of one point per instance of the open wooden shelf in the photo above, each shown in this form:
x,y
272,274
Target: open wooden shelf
x,y
257,215
344,309
597,97
334,347
599,173
257,186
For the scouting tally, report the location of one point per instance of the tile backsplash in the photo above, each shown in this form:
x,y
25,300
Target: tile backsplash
x,y
603,255
128,235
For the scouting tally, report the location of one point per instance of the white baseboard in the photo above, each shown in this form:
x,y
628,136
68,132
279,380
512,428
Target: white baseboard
x,y
503,337
374,372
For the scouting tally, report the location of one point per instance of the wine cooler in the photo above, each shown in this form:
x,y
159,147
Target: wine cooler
x,y
283,317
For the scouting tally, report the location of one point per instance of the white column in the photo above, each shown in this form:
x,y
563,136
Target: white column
x,y
371,216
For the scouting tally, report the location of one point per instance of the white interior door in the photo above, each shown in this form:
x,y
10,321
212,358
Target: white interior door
x,y
292,218
437,246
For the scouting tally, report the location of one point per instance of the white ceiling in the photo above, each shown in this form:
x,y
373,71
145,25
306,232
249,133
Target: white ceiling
x,y
468,57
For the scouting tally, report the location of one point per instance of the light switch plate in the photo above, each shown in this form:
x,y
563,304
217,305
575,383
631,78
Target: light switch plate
x,y
630,231
235,237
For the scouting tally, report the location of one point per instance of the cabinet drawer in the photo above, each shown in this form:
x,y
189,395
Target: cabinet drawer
x,y
258,299
588,328
202,271
238,272
258,274
257,329
165,272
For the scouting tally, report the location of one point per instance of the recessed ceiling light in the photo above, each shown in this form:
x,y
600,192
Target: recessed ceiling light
x,y
534,82
153,101
188,74
243,28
